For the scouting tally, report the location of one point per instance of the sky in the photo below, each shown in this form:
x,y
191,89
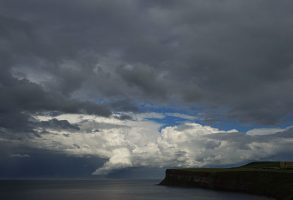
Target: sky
x,y
109,88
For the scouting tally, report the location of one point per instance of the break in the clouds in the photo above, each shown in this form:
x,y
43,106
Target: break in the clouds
x,y
222,60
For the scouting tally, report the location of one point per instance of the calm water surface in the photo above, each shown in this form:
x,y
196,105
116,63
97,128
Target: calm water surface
x,y
108,190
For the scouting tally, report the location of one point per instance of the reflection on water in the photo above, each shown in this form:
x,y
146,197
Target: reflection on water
x,y
108,190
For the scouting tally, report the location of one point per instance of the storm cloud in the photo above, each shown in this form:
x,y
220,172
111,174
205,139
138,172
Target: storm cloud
x,y
231,55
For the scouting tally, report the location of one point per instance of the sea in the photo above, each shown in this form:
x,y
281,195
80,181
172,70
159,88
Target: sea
x,y
108,190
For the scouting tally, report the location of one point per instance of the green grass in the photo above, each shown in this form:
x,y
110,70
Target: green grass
x,y
253,166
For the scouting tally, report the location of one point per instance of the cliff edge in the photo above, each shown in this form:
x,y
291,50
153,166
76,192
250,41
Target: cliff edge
x,y
273,179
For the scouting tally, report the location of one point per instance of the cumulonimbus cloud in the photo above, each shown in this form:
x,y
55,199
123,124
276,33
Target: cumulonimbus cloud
x,y
141,143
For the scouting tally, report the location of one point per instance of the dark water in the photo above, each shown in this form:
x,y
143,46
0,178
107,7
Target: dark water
x,y
108,190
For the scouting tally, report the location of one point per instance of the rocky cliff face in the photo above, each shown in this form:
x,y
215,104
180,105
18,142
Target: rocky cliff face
x,y
268,183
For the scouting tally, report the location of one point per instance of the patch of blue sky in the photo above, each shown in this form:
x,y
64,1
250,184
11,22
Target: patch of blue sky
x,y
167,111
222,124
147,107
243,127
169,121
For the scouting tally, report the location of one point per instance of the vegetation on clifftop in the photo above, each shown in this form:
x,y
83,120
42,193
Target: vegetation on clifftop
x,y
253,166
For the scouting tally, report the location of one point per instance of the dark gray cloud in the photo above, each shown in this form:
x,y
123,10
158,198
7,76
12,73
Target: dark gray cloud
x,y
18,161
230,55
20,98
58,124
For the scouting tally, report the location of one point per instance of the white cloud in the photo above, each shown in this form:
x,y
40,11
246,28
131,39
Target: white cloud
x,y
264,131
120,158
183,116
138,142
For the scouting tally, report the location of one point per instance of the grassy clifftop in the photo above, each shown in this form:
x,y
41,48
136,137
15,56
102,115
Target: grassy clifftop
x,y
265,178
253,166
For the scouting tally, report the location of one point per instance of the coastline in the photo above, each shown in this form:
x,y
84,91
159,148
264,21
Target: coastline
x,y
273,183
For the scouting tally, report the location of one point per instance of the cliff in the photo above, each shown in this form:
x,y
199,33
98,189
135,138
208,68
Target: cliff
x,y
264,178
